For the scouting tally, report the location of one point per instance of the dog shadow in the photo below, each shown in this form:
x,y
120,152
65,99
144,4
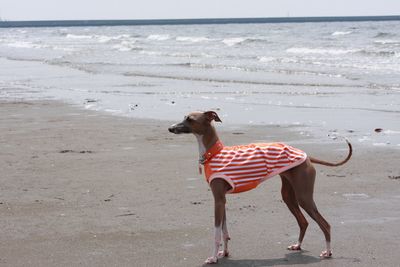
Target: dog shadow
x,y
289,259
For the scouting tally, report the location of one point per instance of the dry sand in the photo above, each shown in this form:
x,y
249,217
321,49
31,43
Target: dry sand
x,y
125,192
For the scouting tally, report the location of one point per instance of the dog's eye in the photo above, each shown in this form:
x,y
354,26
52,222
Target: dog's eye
x,y
189,119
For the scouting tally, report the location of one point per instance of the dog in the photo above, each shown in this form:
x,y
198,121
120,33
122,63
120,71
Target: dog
x,y
241,168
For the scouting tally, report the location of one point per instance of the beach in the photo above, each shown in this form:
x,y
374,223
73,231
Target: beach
x,y
88,188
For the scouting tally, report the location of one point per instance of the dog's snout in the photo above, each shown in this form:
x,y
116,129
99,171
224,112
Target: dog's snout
x,y
173,128
179,128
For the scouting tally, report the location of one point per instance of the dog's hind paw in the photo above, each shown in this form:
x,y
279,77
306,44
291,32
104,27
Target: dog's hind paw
x,y
326,254
211,260
295,247
223,253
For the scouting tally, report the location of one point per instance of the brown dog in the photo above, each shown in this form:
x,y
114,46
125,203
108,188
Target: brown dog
x,y
241,168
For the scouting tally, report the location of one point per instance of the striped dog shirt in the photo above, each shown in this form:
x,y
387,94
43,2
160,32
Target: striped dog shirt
x,y
245,167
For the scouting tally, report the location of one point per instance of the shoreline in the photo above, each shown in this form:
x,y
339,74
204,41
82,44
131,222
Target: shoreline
x,y
308,109
86,188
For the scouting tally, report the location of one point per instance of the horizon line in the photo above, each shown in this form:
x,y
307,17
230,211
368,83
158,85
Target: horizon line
x,y
193,21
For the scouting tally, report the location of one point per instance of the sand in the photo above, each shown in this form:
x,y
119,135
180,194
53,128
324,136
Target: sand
x,y
83,188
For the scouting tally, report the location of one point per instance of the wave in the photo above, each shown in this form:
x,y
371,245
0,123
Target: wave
x,y
243,40
192,39
158,37
77,66
216,80
233,41
78,36
341,33
266,59
377,53
387,41
126,46
216,66
106,39
383,34
255,69
28,45
100,38
32,45
320,51
176,54
22,59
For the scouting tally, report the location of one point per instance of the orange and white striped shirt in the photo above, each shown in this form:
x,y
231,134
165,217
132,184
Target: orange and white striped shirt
x,y
245,167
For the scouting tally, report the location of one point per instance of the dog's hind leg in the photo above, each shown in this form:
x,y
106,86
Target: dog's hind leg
x,y
289,198
302,179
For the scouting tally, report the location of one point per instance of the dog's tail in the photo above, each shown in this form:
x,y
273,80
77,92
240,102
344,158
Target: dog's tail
x,y
317,161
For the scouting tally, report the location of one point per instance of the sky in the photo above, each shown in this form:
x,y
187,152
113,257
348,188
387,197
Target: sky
x,y
176,9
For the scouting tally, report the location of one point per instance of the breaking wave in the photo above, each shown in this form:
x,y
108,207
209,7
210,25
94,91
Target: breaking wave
x,y
158,37
243,40
387,42
25,44
78,36
320,51
192,39
126,46
341,33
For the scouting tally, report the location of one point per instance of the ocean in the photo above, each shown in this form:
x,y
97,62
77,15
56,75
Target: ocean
x,y
325,78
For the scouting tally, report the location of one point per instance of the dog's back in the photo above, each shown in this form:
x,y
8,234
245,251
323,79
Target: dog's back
x,y
246,166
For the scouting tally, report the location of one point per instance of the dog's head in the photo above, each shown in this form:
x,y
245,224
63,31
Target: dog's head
x,y
195,122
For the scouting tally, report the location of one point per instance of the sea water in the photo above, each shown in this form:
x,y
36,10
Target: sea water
x,y
325,78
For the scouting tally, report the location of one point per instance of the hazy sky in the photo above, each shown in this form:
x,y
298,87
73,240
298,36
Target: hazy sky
x,y
162,9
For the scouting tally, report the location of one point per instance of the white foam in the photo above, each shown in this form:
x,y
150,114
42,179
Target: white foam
x,y
320,51
66,49
77,36
289,60
207,55
158,37
192,39
125,46
104,39
233,41
387,41
24,44
266,59
151,53
341,33
90,106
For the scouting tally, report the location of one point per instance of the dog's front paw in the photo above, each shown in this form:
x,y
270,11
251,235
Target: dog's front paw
x,y
294,247
223,253
211,260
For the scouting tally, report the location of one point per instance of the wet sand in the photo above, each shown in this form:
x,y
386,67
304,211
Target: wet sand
x,y
83,188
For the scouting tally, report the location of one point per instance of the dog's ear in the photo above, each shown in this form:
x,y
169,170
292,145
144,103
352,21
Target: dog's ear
x,y
212,115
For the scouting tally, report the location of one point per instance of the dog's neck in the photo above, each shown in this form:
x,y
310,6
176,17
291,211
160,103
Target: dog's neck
x,y
206,140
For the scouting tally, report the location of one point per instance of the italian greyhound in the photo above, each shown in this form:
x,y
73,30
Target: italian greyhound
x,y
294,167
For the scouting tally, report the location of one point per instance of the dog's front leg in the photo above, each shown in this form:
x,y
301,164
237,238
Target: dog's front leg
x,y
219,189
217,242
